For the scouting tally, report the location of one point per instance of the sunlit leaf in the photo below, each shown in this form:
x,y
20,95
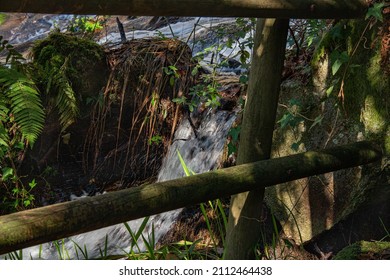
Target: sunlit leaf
x,y
376,11
8,172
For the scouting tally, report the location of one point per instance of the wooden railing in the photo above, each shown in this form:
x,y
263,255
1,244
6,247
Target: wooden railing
x,y
36,226
210,8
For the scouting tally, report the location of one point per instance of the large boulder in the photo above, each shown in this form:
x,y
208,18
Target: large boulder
x,y
310,120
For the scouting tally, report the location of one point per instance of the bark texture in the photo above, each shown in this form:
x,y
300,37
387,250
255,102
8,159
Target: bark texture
x,y
215,8
257,129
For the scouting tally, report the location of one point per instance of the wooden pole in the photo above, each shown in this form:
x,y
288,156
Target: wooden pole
x,y
244,228
32,227
215,8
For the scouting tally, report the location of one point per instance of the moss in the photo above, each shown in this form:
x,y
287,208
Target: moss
x,y
86,63
372,118
365,83
67,44
363,250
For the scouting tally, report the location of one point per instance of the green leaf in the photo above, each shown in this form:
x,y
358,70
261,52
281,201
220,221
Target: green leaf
x,y
317,120
194,71
336,66
180,100
32,184
231,148
172,81
285,120
376,11
7,173
338,59
234,133
294,101
243,79
187,171
4,137
329,91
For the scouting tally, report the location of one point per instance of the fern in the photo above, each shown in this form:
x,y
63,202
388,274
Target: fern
x,y
56,84
4,140
20,99
66,101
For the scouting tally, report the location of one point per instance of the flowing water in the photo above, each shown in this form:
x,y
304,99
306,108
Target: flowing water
x,y
200,153
198,32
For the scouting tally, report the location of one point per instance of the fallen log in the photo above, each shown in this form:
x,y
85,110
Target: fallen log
x,y
214,8
36,226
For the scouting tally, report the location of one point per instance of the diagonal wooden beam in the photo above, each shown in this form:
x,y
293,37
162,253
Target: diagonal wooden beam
x,y
36,226
214,8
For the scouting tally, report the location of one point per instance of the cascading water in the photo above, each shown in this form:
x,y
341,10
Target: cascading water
x,y
200,153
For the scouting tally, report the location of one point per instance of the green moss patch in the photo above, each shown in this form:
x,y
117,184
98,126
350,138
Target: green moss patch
x,y
364,250
83,61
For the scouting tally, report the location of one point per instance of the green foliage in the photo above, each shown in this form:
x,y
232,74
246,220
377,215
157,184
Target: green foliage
x,y
206,92
86,25
19,197
233,136
314,31
173,73
21,122
20,104
376,11
350,43
13,57
244,37
155,139
61,60
337,60
3,18
66,101
186,170
294,116
22,196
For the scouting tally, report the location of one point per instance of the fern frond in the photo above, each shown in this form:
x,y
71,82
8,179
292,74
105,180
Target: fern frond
x,y
4,138
66,101
3,108
24,103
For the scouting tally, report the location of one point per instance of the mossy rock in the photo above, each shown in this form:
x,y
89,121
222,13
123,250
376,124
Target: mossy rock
x,y
365,250
364,80
84,62
309,206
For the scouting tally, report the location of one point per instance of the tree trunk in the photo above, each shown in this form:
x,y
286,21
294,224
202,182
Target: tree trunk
x,y
36,226
224,8
257,129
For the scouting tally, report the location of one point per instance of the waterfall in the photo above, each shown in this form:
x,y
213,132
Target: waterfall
x,y
200,153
